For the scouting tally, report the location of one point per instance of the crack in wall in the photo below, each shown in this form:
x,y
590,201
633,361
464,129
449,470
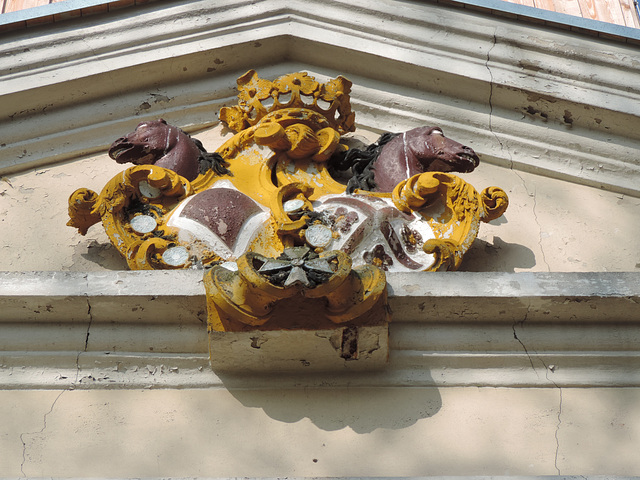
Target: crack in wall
x,y
86,342
515,336
71,387
535,215
486,64
535,218
508,153
551,368
86,339
44,426
548,368
555,462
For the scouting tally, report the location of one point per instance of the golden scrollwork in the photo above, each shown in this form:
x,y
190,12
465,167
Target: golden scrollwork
x,y
252,296
282,238
148,192
453,209
81,210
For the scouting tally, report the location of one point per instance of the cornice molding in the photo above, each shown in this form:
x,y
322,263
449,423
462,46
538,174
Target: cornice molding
x,y
148,329
527,97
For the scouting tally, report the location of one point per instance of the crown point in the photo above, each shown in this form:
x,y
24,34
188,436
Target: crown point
x,y
327,100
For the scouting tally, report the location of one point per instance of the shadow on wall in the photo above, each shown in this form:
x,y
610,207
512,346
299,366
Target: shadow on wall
x,y
94,253
483,256
498,256
363,409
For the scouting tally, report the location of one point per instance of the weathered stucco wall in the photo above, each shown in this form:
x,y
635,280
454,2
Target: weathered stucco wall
x,y
319,432
551,225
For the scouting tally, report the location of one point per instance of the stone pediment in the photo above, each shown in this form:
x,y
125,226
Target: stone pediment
x,y
104,79
528,97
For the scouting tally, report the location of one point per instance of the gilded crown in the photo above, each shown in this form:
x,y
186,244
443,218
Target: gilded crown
x,y
258,97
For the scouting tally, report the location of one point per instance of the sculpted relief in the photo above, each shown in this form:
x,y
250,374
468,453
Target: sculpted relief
x,y
293,228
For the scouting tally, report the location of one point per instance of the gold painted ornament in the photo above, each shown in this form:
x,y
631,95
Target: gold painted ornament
x,y
285,243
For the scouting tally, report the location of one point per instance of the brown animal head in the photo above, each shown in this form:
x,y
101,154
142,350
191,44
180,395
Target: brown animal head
x,y
437,153
423,149
149,142
161,144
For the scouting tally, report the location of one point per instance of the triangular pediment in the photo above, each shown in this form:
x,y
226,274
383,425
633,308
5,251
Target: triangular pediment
x,y
524,96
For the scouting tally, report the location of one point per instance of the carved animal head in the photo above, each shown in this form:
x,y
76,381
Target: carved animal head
x,y
147,144
396,157
164,145
437,153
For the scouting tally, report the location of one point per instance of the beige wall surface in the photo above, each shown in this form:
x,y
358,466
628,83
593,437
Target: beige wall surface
x,y
320,432
483,74
551,225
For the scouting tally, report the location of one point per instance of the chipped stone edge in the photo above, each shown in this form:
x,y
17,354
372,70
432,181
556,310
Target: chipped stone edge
x,y
147,330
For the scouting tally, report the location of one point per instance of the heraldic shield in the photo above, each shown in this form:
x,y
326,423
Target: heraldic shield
x,y
293,229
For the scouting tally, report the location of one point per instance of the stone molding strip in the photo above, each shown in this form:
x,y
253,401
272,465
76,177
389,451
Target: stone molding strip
x,y
574,23
147,329
449,297
60,12
530,97
438,477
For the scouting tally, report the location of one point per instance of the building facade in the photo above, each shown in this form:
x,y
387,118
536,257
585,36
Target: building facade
x,y
523,363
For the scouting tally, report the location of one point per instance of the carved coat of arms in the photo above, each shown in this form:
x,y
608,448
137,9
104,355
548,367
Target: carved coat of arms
x,y
293,228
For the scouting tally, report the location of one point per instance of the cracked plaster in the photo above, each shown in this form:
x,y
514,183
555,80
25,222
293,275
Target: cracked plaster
x,y
81,432
547,370
27,455
508,153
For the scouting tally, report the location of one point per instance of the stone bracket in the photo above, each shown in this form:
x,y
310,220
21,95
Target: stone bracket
x,y
355,348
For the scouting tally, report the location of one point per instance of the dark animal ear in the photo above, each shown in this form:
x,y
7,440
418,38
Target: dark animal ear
x,y
162,120
197,142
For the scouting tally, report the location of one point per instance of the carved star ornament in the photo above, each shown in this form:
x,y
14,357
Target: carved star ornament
x,y
297,266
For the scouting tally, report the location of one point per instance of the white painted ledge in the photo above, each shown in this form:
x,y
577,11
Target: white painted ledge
x,y
147,329
177,297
